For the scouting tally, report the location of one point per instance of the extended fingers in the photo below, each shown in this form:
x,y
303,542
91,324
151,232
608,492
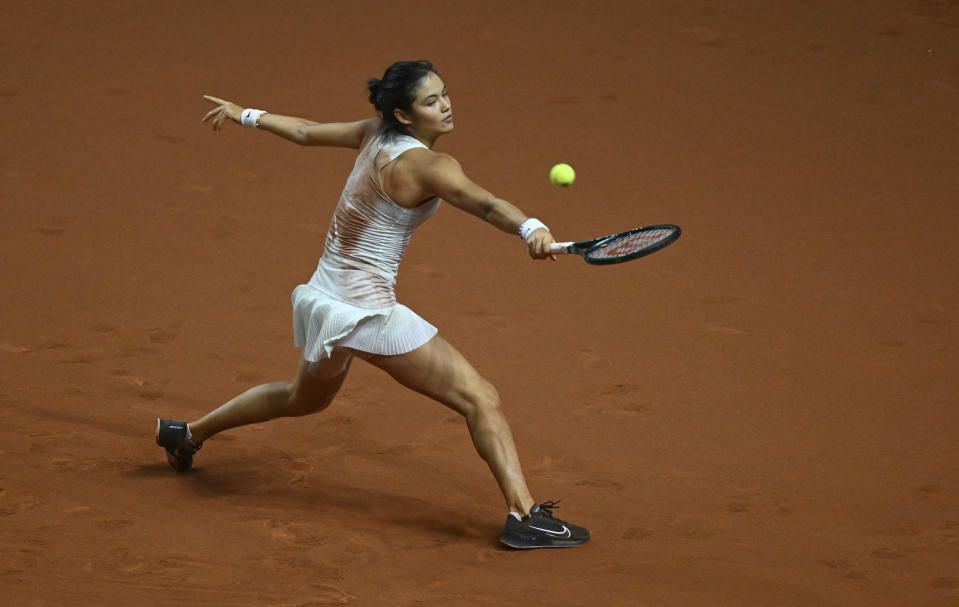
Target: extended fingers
x,y
212,113
218,114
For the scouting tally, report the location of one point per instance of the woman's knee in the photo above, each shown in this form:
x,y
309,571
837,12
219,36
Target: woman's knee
x,y
313,396
297,405
280,398
482,397
315,387
285,400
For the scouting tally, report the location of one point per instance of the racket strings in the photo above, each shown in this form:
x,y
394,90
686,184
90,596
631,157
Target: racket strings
x,y
630,244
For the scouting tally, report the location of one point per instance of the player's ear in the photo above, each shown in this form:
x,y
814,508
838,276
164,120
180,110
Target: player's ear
x,y
402,117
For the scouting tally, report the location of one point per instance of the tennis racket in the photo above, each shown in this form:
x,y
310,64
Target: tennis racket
x,y
621,247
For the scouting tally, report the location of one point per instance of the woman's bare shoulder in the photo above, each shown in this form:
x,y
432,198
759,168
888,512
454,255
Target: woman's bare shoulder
x,y
423,159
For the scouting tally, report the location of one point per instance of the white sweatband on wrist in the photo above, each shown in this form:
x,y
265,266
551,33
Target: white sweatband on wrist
x,y
529,226
251,118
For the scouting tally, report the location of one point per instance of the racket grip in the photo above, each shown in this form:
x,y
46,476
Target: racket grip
x,y
560,247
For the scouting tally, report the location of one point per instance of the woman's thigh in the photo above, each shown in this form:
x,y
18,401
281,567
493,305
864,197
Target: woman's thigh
x,y
437,369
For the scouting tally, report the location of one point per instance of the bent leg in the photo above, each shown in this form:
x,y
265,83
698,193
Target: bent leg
x,y
439,371
313,390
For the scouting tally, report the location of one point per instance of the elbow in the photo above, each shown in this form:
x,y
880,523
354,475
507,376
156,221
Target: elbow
x,y
300,136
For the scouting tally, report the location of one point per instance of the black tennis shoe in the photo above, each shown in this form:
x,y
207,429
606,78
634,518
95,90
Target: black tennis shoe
x,y
174,436
540,529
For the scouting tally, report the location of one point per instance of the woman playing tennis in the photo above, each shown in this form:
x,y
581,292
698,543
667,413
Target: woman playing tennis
x,y
348,308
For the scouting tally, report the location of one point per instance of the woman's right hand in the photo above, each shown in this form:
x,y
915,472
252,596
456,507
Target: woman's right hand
x,y
538,244
224,110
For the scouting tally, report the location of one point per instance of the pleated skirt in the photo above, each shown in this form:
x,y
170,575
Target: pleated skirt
x,y
321,322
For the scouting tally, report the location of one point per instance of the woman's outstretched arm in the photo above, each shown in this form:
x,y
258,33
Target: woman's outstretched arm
x,y
298,130
442,175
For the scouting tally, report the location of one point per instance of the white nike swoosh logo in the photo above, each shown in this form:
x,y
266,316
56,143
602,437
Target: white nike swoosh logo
x,y
564,533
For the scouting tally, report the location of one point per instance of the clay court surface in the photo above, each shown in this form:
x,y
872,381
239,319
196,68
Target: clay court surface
x,y
764,413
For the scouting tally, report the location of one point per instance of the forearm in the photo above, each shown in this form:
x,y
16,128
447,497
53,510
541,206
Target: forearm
x,y
504,216
290,128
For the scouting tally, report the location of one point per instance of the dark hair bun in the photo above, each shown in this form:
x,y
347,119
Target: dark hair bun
x,y
375,85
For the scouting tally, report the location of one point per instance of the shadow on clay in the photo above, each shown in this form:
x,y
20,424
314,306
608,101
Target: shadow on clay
x,y
248,477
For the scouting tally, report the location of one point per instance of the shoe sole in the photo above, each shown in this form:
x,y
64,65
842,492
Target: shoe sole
x,y
517,543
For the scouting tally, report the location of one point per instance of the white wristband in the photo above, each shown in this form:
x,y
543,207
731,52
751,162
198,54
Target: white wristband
x,y
251,118
529,226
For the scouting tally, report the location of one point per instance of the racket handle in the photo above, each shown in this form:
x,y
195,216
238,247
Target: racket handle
x,y
560,247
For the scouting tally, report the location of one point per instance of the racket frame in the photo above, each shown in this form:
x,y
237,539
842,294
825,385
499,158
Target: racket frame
x,y
585,247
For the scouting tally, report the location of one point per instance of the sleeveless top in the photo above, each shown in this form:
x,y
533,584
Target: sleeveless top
x,y
369,232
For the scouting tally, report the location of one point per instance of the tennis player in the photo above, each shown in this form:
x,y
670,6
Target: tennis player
x,y
348,308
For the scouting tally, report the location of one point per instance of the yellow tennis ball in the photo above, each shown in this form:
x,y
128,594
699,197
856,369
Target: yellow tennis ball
x,y
562,175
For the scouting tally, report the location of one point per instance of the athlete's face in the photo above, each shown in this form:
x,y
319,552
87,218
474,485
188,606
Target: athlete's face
x,y
431,114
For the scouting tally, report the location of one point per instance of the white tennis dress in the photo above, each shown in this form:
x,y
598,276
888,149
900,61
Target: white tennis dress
x,y
349,301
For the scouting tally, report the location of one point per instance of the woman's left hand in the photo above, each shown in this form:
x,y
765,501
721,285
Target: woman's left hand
x,y
224,110
538,244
